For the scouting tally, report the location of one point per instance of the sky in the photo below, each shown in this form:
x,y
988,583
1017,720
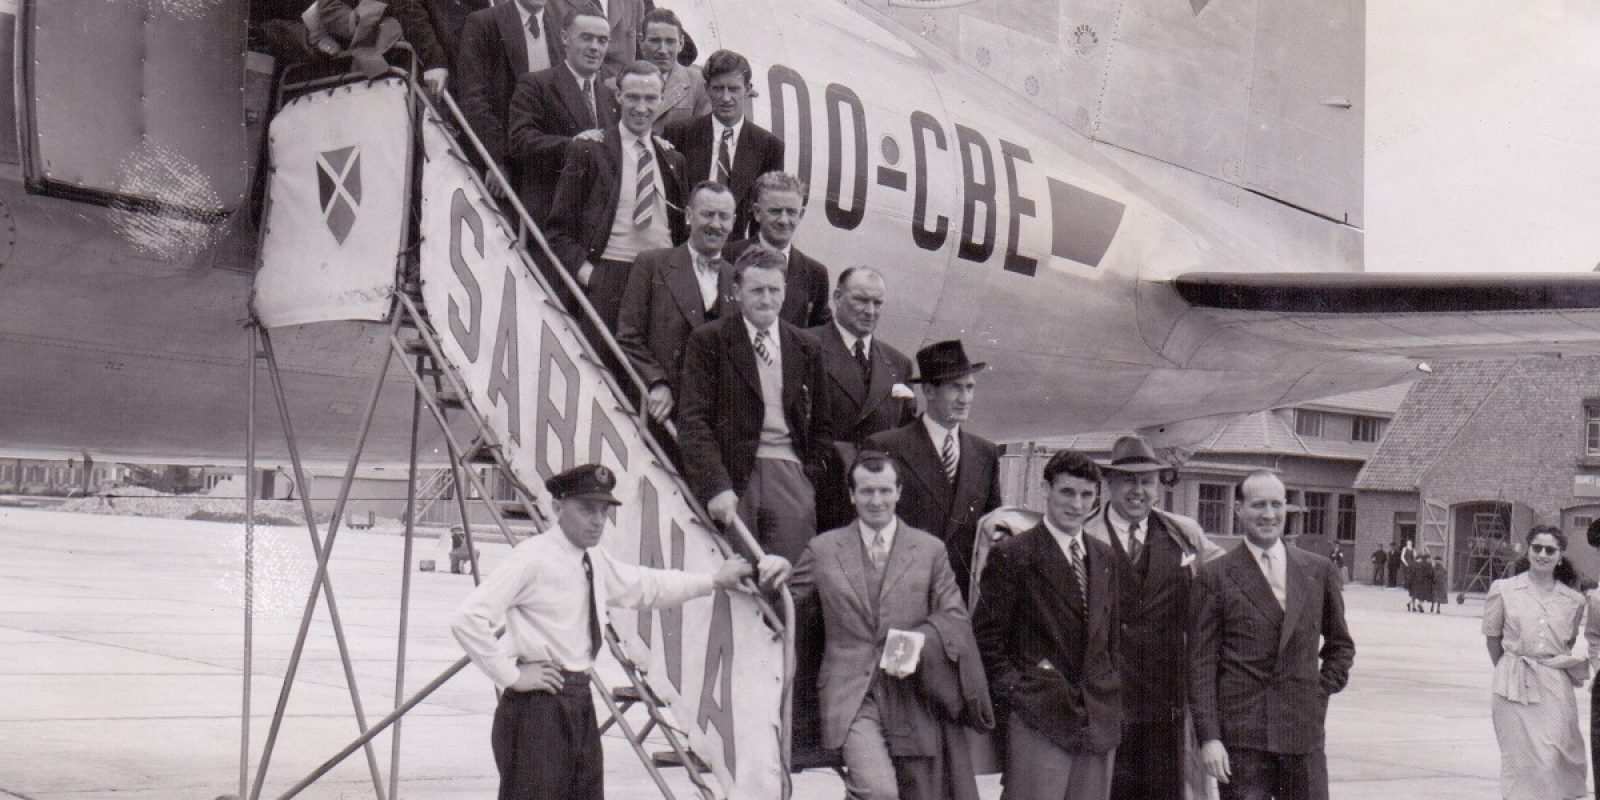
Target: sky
x,y
1483,135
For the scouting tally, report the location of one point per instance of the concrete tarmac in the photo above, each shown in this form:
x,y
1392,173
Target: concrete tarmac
x,y
121,650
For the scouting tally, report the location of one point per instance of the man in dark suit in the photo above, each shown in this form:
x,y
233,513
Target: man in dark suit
x,y
724,146
1269,644
500,45
1157,554
618,197
449,18
672,292
779,205
753,424
624,18
867,384
953,476
552,107
1048,626
878,584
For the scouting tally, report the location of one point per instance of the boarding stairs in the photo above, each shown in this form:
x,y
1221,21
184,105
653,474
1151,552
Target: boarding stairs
x,y
455,399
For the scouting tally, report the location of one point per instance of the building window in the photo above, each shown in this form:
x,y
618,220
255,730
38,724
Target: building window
x,y
1580,525
5,472
1591,427
1308,423
1316,514
1294,525
1366,429
1345,528
1213,509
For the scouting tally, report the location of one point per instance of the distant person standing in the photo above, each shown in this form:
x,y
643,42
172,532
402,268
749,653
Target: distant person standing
x,y
1530,622
1408,559
1392,575
1380,560
1421,583
1441,584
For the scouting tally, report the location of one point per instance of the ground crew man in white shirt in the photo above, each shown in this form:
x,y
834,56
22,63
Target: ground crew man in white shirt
x,y
551,593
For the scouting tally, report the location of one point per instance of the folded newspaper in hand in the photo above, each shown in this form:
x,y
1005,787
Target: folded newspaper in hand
x,y
902,652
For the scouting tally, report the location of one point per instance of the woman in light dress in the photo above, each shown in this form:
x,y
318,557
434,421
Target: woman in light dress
x,y
1531,620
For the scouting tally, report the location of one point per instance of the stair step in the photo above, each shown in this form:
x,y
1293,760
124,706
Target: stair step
x,y
669,758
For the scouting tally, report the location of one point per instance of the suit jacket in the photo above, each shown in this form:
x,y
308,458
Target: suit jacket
x,y
1154,605
586,198
805,285
719,422
660,308
449,18
859,408
494,54
547,110
1051,658
627,23
928,501
682,98
834,577
756,153
1261,673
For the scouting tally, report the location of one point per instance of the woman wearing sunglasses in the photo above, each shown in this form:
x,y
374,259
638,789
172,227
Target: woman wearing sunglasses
x,y
1531,621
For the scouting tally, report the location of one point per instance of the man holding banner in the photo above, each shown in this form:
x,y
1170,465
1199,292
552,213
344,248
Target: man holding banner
x,y
550,593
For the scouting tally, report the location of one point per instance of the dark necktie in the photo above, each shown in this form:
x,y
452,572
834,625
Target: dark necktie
x,y
1075,555
724,157
1134,548
594,612
863,363
588,97
533,26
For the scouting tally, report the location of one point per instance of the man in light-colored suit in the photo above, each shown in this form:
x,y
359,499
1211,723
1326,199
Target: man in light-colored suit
x,y
1270,646
878,581
683,93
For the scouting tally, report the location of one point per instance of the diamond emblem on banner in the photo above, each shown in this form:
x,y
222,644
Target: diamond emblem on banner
x,y
339,189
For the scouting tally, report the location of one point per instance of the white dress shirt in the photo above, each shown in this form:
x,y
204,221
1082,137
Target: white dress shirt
x,y
868,534
936,433
706,274
1277,575
733,148
627,241
538,49
1120,527
850,341
539,592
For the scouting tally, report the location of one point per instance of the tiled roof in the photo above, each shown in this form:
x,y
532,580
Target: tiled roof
x,y
1433,413
1382,401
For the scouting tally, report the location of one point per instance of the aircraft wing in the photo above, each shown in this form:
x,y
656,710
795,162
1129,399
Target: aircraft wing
x,y
1409,315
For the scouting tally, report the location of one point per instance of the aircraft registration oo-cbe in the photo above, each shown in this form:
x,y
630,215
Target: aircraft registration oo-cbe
x,y
1127,240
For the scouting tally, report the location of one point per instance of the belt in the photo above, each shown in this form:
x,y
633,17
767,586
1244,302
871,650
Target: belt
x,y
572,684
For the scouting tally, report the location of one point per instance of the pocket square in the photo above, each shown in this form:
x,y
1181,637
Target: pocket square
x,y
901,391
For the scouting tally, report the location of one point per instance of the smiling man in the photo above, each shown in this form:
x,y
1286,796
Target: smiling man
x,y
1270,646
619,196
754,424
1157,555
1048,626
552,594
724,145
780,204
552,107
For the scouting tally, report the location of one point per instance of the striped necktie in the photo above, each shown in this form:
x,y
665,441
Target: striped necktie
x,y
1075,555
588,97
948,455
761,346
1134,548
724,159
645,190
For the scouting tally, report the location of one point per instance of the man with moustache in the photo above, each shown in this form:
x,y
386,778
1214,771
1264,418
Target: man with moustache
x,y
725,145
672,292
619,197
952,475
780,203
1269,646
1048,626
552,108
1157,554
551,594
754,422
867,391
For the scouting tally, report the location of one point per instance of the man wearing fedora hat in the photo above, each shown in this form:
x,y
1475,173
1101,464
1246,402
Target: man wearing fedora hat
x,y
551,593
953,476
1157,554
